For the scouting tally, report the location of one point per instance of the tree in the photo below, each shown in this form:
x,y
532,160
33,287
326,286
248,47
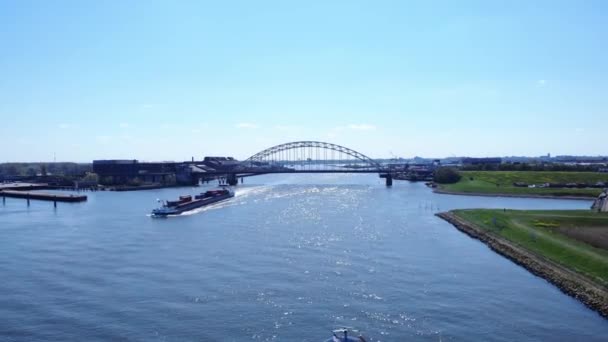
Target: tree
x,y
446,175
169,180
135,181
12,170
91,177
108,180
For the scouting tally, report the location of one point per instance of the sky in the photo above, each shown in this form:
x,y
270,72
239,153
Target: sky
x,y
172,80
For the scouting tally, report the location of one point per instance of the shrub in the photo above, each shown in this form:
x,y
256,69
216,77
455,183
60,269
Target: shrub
x,y
446,175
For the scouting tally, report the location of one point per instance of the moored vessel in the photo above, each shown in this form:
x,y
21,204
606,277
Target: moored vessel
x,y
187,203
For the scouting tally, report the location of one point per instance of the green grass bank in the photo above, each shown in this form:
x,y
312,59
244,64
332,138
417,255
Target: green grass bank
x,y
569,248
502,183
576,239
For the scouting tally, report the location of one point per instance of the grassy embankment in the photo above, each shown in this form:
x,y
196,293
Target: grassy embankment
x,y
575,239
501,182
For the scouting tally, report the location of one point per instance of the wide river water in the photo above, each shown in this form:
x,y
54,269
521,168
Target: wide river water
x,y
288,259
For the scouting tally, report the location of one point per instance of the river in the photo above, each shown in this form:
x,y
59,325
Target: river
x,y
288,259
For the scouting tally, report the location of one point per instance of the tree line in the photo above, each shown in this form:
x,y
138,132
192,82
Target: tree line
x,y
532,167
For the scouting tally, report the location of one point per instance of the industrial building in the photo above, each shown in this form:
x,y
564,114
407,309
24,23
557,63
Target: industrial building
x,y
134,172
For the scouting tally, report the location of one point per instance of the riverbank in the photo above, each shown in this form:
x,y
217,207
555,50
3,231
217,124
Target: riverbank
x,y
542,184
552,249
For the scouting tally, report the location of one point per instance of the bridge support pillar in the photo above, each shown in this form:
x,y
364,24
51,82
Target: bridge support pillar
x,y
231,179
389,180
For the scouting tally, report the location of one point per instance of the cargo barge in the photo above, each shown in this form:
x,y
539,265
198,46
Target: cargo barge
x,y
187,203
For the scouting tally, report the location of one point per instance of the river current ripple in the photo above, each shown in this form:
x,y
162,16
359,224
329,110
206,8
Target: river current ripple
x,y
288,259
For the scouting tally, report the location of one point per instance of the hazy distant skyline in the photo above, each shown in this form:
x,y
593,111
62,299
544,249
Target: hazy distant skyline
x,y
158,80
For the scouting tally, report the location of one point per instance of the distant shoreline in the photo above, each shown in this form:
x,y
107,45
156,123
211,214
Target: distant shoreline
x,y
589,293
448,192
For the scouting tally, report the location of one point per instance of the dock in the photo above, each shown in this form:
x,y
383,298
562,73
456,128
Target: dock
x,y
43,196
23,186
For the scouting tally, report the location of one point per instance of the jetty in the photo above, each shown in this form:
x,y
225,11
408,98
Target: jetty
x,y
43,196
23,186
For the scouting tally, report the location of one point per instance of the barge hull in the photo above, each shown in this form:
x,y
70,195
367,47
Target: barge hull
x,y
192,205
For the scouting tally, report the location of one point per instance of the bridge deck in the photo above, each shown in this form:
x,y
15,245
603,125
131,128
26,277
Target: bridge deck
x,y
214,173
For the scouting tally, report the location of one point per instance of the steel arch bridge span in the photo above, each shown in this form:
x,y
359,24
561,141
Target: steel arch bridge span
x,y
317,152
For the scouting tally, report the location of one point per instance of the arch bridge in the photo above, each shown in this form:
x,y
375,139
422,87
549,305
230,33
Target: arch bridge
x,y
306,157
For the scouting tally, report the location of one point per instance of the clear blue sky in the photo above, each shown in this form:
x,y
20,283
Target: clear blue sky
x,y
167,80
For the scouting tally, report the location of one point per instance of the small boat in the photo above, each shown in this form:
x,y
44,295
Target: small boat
x,y
341,335
187,203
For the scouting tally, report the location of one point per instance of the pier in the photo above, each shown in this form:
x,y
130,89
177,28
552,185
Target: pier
x,y
23,186
42,196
